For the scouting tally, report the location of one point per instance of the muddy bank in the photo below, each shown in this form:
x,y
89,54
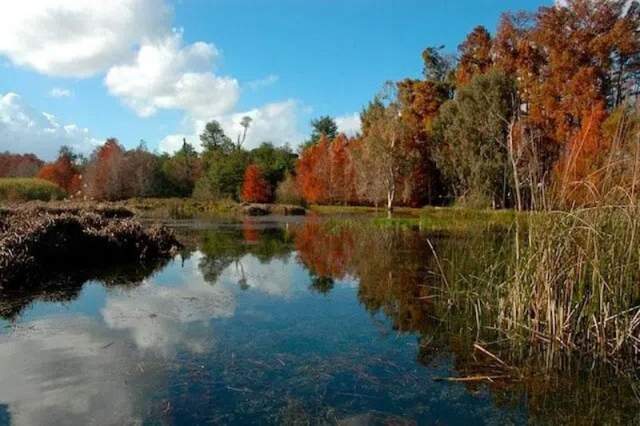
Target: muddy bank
x,y
36,243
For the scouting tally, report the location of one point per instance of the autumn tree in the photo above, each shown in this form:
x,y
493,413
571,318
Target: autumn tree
x,y
103,176
475,55
255,188
313,172
63,172
19,165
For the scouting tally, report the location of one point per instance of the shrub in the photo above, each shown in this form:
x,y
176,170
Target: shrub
x,y
287,192
26,189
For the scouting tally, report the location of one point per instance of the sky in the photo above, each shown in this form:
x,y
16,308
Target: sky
x,y
75,72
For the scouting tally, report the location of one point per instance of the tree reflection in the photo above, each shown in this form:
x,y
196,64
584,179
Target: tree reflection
x,y
64,287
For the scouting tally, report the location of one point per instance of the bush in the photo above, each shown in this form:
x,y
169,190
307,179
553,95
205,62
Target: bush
x,y
26,189
287,192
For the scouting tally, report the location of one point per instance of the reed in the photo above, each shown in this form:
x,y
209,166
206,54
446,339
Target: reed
x,y
26,189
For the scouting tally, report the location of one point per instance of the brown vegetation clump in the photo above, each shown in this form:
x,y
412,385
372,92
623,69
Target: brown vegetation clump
x,y
34,243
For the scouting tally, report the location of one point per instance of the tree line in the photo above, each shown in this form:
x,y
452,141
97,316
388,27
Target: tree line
x,y
223,169
545,109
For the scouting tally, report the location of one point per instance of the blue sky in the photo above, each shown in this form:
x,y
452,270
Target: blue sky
x,y
158,70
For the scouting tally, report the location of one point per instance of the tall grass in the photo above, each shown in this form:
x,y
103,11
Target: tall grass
x,y
27,189
569,281
573,285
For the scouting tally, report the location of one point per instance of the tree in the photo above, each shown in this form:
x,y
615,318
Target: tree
x,y
473,139
475,55
244,123
313,173
323,126
389,158
19,165
182,171
63,172
213,138
224,176
103,177
287,191
437,67
275,162
255,188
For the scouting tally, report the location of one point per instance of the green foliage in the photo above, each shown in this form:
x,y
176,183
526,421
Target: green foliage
x,y
225,173
324,125
27,189
179,173
275,162
471,133
214,139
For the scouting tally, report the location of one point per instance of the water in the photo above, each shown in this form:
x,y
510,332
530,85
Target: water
x,y
268,323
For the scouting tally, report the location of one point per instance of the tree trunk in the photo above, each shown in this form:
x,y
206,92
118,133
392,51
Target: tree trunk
x,y
390,199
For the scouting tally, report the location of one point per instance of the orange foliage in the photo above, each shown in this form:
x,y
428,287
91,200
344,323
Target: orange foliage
x,y
475,55
326,171
102,179
63,173
250,232
255,188
325,254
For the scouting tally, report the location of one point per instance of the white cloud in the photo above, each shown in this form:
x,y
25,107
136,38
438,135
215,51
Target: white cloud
x,y
169,75
157,317
78,38
25,130
349,124
267,81
275,122
148,67
275,278
58,92
70,371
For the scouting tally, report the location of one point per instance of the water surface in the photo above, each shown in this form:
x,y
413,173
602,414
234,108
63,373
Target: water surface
x,y
267,323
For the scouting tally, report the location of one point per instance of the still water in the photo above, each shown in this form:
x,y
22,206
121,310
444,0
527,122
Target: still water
x,y
269,322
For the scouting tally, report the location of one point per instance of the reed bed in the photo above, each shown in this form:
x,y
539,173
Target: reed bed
x,y
573,284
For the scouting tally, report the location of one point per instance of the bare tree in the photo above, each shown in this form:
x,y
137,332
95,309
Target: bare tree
x,y
245,123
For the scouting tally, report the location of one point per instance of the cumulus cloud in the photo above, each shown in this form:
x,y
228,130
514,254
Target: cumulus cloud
x,y
147,65
275,122
170,75
58,92
69,371
275,278
25,130
349,124
75,38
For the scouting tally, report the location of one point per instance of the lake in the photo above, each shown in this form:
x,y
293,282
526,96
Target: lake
x,y
286,321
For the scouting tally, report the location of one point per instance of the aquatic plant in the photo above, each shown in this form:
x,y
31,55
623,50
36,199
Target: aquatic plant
x,y
35,243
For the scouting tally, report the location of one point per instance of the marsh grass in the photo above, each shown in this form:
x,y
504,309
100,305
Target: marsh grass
x,y
573,285
27,189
